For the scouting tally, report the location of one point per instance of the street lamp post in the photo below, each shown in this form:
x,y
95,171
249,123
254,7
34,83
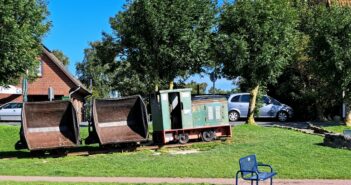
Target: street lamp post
x,y
25,87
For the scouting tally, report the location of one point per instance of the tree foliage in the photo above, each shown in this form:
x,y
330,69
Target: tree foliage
x,y
110,71
197,88
22,26
329,29
165,39
91,68
320,72
61,56
260,38
220,91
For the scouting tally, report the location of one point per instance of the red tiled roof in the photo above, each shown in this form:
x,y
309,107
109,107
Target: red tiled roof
x,y
59,64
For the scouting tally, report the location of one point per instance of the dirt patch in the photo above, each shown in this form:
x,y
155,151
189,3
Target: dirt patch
x,y
183,152
176,152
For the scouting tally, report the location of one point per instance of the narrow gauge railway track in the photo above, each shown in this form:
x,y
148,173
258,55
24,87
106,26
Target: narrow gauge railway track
x,y
95,150
133,148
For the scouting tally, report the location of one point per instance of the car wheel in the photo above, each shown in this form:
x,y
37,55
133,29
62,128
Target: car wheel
x,y
233,115
282,116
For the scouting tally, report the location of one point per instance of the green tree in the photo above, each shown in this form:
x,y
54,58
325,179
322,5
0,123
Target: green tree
x,y
22,26
61,56
128,82
110,71
197,88
259,41
91,68
330,50
166,39
218,91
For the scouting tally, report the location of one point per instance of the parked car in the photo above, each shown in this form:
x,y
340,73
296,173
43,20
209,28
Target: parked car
x,y
11,112
238,106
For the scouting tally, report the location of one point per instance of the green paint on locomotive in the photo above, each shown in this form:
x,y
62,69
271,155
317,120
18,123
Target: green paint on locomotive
x,y
175,109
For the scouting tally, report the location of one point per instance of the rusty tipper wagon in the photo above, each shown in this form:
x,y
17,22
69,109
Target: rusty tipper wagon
x,y
49,125
116,121
177,117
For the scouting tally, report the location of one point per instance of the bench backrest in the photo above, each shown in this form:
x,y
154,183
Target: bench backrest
x,y
248,163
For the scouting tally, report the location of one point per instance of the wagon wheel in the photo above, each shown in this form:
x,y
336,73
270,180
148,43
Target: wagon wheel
x,y
37,153
207,136
183,138
213,135
59,152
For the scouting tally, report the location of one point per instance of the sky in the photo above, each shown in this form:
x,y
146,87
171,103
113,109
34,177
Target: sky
x,y
76,23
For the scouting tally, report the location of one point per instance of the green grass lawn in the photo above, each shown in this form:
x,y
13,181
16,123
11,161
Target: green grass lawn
x,y
293,155
337,128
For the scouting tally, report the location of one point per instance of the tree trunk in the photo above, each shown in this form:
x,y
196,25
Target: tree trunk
x,y
348,118
253,96
171,84
319,112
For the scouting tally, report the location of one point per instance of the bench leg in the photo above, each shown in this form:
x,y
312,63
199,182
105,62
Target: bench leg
x,y
236,178
257,182
251,182
271,180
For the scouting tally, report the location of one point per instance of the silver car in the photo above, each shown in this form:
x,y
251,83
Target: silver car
x,y
238,107
11,112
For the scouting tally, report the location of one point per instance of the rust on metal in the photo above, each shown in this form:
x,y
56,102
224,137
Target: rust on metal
x,y
206,101
50,125
120,120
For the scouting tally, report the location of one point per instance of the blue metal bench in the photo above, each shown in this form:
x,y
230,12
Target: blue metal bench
x,y
249,170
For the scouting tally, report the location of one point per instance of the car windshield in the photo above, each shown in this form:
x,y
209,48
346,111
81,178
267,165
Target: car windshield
x,y
12,106
7,106
275,102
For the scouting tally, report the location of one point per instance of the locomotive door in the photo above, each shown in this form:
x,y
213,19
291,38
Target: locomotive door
x,y
187,118
175,109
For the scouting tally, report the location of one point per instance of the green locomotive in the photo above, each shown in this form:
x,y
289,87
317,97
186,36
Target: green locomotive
x,y
179,117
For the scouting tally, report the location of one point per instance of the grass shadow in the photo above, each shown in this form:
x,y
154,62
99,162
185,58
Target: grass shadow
x,y
15,154
331,146
76,151
328,124
335,127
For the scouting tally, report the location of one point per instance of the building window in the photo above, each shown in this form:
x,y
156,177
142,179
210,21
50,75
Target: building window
x,y
40,69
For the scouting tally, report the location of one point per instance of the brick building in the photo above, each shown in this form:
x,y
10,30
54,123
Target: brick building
x,y
51,73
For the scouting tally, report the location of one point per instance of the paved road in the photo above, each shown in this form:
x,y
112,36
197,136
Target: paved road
x,y
166,180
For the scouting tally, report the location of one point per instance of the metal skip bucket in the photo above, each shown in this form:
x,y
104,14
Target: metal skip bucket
x,y
50,125
122,120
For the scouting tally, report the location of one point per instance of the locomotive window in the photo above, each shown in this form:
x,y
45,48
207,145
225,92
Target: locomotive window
x,y
235,99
